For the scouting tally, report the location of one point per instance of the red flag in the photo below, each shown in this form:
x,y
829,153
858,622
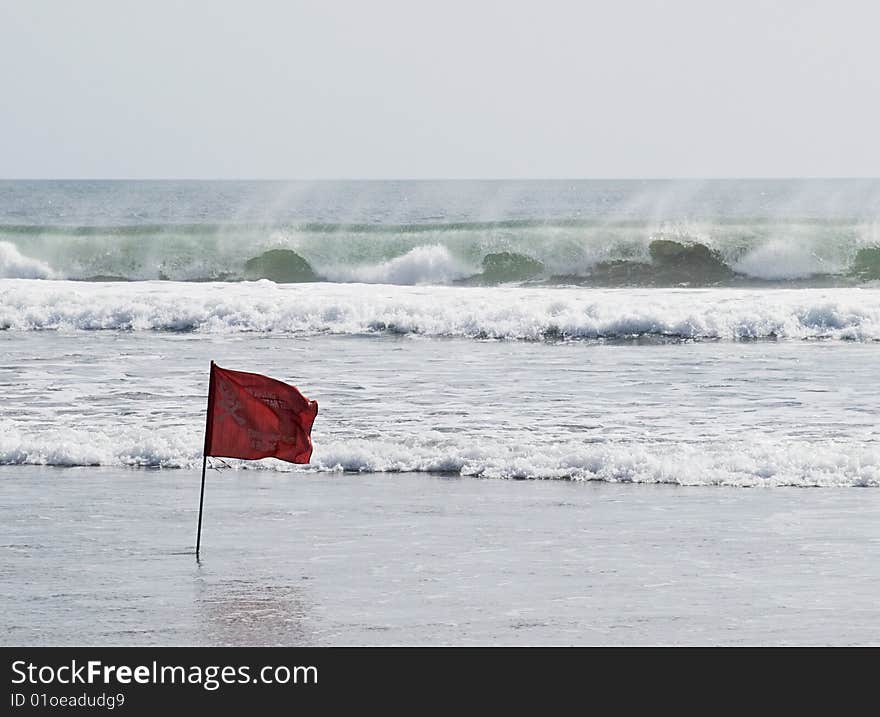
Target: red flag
x,y
252,416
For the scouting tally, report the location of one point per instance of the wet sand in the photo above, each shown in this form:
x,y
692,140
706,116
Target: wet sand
x,y
104,557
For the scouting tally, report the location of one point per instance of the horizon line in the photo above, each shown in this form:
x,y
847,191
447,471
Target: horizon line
x,y
651,178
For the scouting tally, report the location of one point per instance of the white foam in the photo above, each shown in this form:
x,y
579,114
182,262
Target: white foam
x,y
422,265
522,314
122,445
780,260
750,463
14,265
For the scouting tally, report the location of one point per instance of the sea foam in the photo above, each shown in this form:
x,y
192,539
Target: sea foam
x,y
533,314
432,264
754,463
14,265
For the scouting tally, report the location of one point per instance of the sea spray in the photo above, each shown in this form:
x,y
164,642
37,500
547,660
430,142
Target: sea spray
x,y
13,265
631,253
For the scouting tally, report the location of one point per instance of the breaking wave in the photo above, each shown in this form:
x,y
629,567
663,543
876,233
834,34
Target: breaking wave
x,y
68,447
530,314
15,266
750,463
422,265
678,464
621,253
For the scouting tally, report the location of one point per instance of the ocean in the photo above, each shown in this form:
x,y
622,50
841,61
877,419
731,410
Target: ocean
x,y
646,350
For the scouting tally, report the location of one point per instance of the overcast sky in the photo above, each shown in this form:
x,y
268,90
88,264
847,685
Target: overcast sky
x,y
417,89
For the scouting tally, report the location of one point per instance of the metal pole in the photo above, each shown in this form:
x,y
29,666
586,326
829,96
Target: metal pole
x,y
208,418
201,503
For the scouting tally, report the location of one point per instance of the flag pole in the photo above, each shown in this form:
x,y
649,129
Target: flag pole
x,y
205,455
201,503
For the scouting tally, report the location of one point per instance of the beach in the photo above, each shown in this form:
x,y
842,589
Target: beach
x,y
410,559
586,413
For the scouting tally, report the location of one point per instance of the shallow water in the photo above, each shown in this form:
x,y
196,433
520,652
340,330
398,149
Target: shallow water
x,y
731,413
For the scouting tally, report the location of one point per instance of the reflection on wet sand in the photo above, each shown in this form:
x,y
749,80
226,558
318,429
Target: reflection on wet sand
x,y
251,612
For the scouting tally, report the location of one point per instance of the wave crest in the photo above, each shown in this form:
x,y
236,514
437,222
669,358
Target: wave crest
x,y
14,265
750,463
635,253
433,264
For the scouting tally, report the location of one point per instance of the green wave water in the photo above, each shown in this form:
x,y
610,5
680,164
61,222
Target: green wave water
x,y
628,252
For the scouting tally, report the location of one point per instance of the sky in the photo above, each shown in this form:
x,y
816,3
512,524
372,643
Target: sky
x,y
442,89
